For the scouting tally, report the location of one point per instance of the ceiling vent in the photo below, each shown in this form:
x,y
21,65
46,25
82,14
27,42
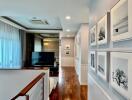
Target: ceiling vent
x,y
38,21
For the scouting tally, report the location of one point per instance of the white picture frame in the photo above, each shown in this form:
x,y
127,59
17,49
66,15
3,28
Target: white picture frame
x,y
67,47
0,53
102,31
93,60
120,28
93,35
102,65
121,62
67,52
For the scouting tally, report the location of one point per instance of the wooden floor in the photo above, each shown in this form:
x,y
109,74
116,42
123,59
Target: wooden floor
x,y
69,87
84,92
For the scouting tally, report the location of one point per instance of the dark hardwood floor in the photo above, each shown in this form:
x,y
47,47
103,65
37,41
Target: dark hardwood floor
x,y
84,92
68,87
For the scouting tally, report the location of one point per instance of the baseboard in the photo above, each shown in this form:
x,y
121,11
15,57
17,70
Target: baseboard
x,y
84,74
67,66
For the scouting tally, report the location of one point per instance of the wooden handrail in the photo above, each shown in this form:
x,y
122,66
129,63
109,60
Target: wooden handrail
x,y
29,86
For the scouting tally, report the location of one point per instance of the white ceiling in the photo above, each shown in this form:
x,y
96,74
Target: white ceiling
x,y
53,23
98,8
54,35
54,10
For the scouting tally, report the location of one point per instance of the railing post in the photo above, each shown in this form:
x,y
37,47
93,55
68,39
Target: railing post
x,y
29,86
43,89
27,97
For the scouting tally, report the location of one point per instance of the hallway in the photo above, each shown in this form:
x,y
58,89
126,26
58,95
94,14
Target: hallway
x,y
69,87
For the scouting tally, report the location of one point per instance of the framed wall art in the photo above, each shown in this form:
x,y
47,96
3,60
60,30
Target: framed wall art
x,y
67,52
120,63
93,60
102,65
102,29
67,47
93,36
120,21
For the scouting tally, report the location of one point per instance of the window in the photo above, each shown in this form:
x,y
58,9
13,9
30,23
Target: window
x,y
10,47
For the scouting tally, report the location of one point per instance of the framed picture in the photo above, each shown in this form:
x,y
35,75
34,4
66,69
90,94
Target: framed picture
x,y
120,21
67,47
102,30
93,36
102,65
120,63
67,52
93,60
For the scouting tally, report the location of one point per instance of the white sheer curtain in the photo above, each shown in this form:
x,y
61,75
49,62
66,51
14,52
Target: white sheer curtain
x,y
10,47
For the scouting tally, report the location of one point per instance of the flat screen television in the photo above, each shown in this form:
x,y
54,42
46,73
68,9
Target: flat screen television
x,y
43,58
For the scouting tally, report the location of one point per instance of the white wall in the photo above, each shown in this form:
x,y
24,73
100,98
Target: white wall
x,y
67,60
81,53
84,53
84,30
99,8
77,58
98,11
95,92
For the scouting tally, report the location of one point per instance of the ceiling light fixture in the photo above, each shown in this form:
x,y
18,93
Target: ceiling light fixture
x,y
68,17
68,30
46,44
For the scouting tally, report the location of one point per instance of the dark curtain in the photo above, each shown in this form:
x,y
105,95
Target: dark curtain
x,y
23,46
29,49
42,45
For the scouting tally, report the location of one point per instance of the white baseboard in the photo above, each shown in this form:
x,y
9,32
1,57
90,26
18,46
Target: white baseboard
x,y
84,74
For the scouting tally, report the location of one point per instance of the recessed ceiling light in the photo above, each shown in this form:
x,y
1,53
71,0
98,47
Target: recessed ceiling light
x,y
68,17
68,30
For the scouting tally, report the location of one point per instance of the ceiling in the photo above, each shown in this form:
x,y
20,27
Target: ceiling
x,y
46,35
51,39
98,8
34,23
54,11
